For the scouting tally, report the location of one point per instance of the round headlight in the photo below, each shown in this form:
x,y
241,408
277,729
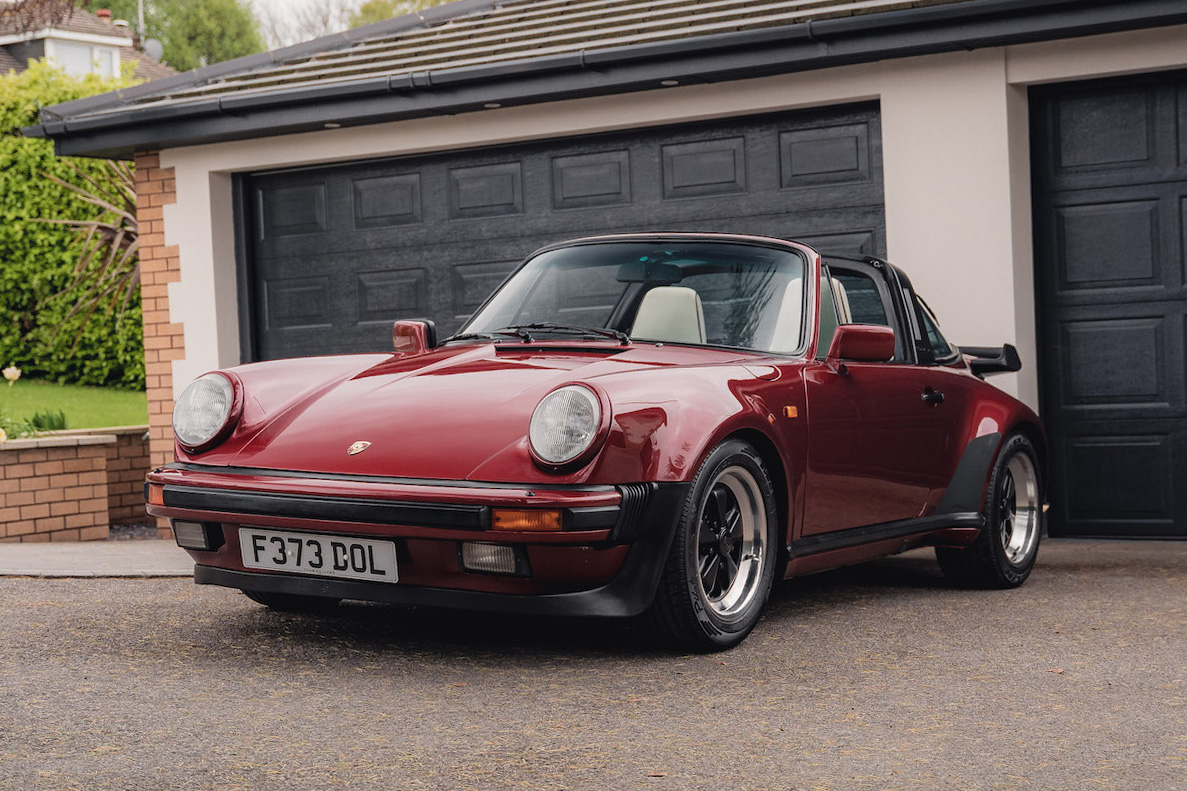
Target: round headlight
x,y
202,410
565,424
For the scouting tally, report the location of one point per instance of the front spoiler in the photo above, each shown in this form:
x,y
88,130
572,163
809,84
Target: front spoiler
x,y
629,593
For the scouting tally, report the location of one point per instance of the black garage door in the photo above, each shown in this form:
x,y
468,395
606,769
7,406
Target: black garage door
x,y
335,254
1110,165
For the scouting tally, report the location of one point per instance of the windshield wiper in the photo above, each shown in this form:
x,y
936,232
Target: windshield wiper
x,y
547,326
518,332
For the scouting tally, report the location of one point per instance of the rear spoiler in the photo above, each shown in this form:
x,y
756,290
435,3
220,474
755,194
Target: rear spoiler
x,y
985,360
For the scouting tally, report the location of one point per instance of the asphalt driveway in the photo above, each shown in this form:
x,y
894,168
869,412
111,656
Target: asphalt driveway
x,y
878,677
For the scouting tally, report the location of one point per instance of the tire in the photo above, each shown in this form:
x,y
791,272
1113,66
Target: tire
x,y
295,603
719,571
1005,551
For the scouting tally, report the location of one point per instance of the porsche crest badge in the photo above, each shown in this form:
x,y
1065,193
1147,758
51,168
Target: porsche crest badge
x,y
358,447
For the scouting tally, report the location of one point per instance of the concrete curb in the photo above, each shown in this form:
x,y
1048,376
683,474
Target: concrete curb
x,y
95,559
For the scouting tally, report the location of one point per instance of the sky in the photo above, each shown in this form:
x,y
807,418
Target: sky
x,y
292,18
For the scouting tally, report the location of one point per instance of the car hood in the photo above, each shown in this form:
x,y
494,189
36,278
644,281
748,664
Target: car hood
x,y
439,415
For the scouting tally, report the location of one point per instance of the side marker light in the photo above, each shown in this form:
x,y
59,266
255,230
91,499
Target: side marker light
x,y
533,521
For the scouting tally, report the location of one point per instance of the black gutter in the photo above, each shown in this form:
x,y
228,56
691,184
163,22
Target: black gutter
x,y
731,56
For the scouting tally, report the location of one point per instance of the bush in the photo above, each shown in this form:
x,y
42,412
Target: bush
x,y
50,420
37,260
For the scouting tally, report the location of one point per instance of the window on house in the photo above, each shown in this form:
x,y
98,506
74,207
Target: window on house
x,y
81,59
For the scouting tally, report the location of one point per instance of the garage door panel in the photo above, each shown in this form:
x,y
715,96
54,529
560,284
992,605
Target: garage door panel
x,y
340,251
1108,135
486,191
298,303
1105,245
1110,233
471,284
862,242
1110,129
1120,363
292,210
704,168
825,155
583,181
1118,243
1121,480
385,201
390,292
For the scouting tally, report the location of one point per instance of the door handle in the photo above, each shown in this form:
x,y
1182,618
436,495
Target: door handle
x,y
933,397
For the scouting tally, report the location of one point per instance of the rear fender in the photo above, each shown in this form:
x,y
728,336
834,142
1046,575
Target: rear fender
x,y
992,423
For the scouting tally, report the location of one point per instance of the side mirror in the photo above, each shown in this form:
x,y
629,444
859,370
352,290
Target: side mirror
x,y
862,343
413,336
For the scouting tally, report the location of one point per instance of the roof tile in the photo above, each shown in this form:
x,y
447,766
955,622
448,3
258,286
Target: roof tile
x,y
509,31
77,21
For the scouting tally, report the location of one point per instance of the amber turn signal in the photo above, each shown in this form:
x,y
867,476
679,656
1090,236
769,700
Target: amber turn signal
x,y
530,521
156,494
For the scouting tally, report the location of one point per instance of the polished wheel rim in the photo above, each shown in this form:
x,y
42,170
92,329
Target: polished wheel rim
x,y
730,542
1018,509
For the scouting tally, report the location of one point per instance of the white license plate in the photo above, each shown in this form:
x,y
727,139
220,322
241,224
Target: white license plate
x,y
325,556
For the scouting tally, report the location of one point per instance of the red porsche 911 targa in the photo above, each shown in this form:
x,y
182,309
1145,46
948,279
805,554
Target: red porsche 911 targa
x,y
653,425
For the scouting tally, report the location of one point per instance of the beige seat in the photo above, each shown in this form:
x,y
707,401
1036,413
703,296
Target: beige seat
x,y
786,334
670,313
834,311
844,314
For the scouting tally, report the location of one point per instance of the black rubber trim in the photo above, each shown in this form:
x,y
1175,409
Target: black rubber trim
x,y
628,594
635,498
594,517
337,509
972,473
844,539
338,476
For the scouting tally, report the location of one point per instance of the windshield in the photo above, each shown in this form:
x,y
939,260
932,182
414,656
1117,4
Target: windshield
x,y
715,293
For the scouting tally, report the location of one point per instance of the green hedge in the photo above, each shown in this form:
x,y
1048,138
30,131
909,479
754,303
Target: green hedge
x,y
37,260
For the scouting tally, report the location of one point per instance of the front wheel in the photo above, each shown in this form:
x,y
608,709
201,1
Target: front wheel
x,y
721,565
1004,554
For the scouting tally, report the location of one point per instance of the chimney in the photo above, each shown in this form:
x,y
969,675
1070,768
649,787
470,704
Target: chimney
x,y
104,14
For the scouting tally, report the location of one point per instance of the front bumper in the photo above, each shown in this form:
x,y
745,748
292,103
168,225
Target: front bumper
x,y
605,562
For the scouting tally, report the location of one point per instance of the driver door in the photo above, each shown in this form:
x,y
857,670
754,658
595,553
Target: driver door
x,y
873,438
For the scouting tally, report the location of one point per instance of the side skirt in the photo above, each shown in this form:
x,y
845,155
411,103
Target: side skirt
x,y
872,534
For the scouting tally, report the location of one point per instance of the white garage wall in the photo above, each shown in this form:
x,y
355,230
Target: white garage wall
x,y
955,157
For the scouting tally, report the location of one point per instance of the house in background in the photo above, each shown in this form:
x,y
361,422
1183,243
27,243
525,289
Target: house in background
x,y
81,43
1026,162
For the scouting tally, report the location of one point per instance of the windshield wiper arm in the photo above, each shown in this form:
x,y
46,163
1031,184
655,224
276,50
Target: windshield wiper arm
x,y
546,326
518,332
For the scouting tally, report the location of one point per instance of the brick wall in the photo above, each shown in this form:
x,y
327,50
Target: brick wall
x,y
163,339
54,488
127,463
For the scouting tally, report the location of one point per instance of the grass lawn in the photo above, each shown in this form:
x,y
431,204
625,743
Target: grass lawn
x,y
85,407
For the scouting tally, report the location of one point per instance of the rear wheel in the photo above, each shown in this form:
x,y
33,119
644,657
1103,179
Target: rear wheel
x,y
1004,554
719,571
292,602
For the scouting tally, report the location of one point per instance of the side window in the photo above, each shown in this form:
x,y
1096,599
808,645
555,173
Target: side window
x,y
865,301
941,350
857,294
